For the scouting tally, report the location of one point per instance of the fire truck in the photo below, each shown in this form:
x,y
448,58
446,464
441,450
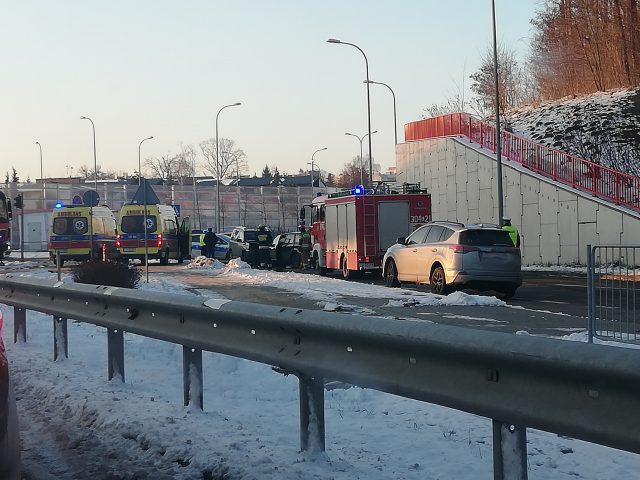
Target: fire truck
x,y
352,230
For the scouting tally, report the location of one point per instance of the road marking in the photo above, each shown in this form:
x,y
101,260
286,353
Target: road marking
x,y
568,285
552,301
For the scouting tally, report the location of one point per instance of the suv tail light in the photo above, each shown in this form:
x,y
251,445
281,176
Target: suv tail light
x,y
463,248
159,239
118,242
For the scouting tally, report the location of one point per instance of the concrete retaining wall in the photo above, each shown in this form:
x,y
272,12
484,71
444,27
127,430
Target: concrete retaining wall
x,y
556,222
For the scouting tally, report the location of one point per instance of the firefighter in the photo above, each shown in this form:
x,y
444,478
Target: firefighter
x,y
264,245
305,246
513,231
203,246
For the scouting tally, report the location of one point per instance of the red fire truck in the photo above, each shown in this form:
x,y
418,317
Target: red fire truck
x,y
5,224
352,232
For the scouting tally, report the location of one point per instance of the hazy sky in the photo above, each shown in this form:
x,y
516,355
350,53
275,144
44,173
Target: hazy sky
x,y
164,68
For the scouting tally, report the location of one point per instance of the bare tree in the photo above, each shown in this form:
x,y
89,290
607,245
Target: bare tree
x,y
231,160
165,167
352,172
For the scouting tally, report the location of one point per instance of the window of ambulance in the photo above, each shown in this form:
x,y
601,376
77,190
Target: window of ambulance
x,y
70,226
169,227
135,224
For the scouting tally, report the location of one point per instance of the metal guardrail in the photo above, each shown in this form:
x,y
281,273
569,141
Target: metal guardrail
x,y
590,392
614,185
613,282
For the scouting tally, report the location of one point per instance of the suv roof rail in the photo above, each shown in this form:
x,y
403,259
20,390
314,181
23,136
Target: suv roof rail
x,y
460,224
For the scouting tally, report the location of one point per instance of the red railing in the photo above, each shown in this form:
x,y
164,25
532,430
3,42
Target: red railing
x,y
619,187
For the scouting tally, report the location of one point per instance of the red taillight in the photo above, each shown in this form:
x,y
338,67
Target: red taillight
x,y
366,259
1,320
463,249
118,242
159,239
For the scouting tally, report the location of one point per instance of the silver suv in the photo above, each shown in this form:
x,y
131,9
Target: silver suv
x,y
449,255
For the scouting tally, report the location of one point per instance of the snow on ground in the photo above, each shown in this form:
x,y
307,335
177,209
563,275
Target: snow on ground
x,y
320,288
249,428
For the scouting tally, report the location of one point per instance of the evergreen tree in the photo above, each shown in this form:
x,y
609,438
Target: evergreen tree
x,y
14,175
266,172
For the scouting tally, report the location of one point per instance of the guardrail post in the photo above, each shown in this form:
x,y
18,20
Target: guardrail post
x,y
192,376
19,325
115,353
509,451
60,337
312,437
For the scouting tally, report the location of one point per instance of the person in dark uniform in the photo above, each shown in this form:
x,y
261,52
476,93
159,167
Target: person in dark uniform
x,y
264,245
210,241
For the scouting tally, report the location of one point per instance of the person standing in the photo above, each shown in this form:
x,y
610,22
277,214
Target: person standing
x,y
513,231
264,245
210,241
203,246
305,246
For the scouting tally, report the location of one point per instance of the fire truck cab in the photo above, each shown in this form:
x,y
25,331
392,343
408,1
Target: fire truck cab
x,y
351,232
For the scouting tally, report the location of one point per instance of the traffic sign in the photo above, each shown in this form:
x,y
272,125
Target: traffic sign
x,y
90,198
177,209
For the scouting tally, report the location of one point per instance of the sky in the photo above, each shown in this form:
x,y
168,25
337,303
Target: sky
x,y
74,421
164,68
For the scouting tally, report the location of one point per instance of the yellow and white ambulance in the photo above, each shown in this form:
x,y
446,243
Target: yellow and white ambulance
x,y
76,228
166,237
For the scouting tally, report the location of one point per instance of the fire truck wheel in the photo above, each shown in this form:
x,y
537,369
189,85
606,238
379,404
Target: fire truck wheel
x,y
346,272
391,274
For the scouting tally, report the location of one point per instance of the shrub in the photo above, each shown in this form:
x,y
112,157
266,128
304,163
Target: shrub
x,y
115,274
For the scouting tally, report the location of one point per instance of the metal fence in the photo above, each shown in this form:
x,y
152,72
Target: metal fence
x,y
613,282
619,187
579,390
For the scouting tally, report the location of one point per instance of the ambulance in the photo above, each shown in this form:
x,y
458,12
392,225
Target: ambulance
x,y
76,228
166,237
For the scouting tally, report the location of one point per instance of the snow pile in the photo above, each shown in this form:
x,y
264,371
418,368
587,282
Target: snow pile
x,y
204,262
237,264
12,265
461,298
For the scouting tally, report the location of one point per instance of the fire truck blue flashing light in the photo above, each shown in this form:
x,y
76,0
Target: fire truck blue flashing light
x,y
58,205
358,190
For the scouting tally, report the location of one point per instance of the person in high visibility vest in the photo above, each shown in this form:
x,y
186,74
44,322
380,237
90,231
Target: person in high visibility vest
x,y
203,246
264,246
513,231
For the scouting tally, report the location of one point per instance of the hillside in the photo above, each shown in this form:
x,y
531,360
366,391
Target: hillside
x,y
603,127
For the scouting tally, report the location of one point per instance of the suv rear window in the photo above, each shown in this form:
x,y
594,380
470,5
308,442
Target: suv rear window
x,y
486,238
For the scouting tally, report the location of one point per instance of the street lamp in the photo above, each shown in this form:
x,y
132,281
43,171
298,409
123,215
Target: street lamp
x,y
360,139
366,62
312,164
41,176
144,195
139,165
497,102
218,167
95,180
395,127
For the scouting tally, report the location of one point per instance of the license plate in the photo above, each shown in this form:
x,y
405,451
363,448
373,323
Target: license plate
x,y
129,249
367,265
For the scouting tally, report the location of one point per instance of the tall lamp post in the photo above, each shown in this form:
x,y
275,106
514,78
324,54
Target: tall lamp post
x,y
218,167
497,102
312,164
395,123
95,182
366,62
144,206
41,176
360,139
139,158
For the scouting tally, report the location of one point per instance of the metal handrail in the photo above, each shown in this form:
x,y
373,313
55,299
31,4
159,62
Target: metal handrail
x,y
604,182
585,391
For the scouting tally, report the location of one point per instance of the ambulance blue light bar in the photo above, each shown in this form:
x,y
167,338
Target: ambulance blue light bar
x,y
58,205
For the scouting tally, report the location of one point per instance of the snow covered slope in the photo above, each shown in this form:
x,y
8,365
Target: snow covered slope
x,y
603,127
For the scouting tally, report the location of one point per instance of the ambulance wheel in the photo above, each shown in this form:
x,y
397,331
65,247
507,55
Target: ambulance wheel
x,y
142,262
164,258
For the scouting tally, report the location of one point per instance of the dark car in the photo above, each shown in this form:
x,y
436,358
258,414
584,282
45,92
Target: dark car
x,y
9,433
285,251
